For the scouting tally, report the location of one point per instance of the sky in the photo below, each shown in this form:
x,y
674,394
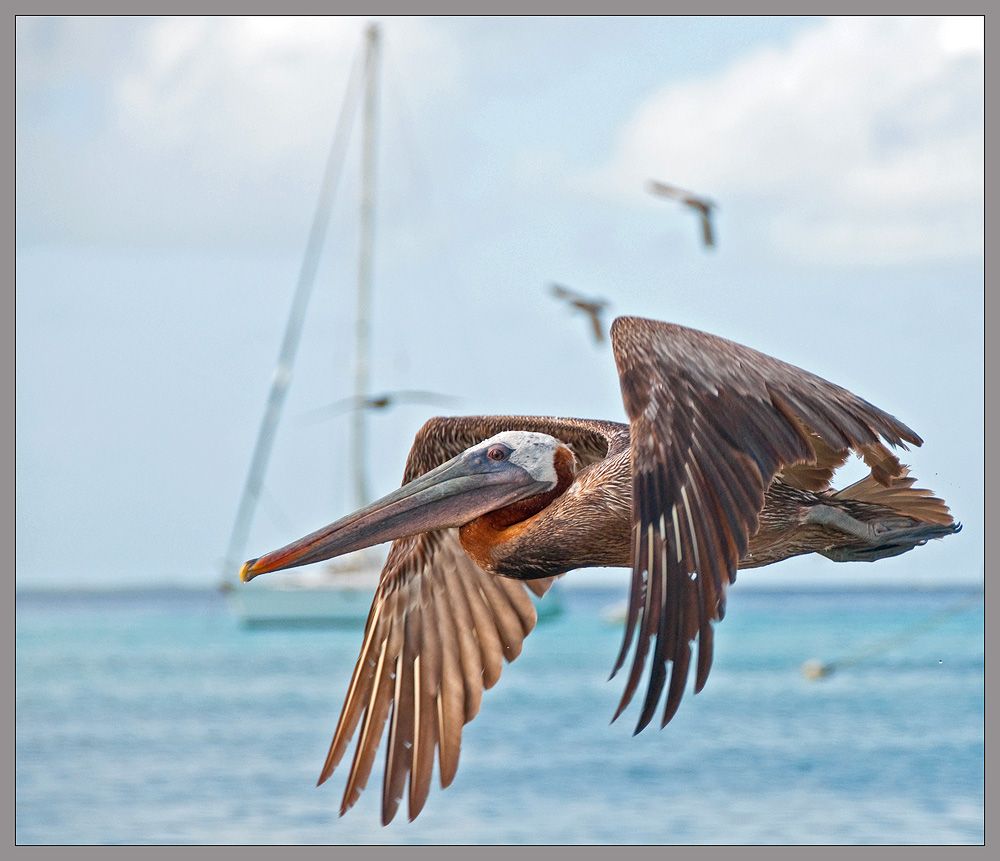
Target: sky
x,y
168,168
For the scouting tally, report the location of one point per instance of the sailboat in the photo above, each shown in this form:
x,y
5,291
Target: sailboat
x,y
338,593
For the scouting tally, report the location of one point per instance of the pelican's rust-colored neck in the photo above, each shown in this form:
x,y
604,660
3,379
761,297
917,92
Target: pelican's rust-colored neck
x,y
485,534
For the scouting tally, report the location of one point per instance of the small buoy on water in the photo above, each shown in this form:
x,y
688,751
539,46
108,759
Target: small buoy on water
x,y
816,670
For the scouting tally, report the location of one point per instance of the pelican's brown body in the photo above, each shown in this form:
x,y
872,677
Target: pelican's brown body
x,y
726,463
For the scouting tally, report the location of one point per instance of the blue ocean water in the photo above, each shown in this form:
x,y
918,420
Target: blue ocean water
x,y
153,718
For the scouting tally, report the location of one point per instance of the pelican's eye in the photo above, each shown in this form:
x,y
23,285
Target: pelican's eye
x,y
497,452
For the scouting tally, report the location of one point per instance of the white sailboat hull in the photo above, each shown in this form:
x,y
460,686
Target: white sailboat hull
x,y
307,606
328,601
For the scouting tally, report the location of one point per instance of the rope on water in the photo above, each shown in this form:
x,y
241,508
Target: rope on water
x,y
815,669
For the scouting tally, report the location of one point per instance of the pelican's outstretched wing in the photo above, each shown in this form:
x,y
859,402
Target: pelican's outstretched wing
x,y
439,630
712,423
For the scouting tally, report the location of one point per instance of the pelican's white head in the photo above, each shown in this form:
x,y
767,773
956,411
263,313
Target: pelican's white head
x,y
534,452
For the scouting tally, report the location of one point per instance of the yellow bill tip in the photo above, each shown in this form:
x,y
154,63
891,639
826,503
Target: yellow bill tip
x,y
246,574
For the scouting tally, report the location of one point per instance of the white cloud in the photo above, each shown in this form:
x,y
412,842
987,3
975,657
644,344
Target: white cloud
x,y
196,129
859,141
263,87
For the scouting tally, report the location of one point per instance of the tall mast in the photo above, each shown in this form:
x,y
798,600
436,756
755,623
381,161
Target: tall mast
x,y
293,331
359,437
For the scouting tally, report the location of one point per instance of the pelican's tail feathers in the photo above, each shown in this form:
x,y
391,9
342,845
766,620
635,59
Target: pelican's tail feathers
x,y
900,496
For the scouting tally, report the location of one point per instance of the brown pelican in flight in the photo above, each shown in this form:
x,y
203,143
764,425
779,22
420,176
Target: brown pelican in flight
x,y
593,308
726,463
702,205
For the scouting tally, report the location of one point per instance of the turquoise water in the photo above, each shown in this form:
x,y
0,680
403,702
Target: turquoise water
x,y
153,718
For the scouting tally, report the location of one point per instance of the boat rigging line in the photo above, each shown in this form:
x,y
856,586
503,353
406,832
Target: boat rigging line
x,y
293,329
814,669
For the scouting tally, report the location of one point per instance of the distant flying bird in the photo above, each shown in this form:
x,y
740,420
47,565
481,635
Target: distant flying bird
x,y
726,463
702,205
379,402
593,308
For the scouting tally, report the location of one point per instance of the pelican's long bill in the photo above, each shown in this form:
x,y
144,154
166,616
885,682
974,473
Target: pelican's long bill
x,y
452,494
